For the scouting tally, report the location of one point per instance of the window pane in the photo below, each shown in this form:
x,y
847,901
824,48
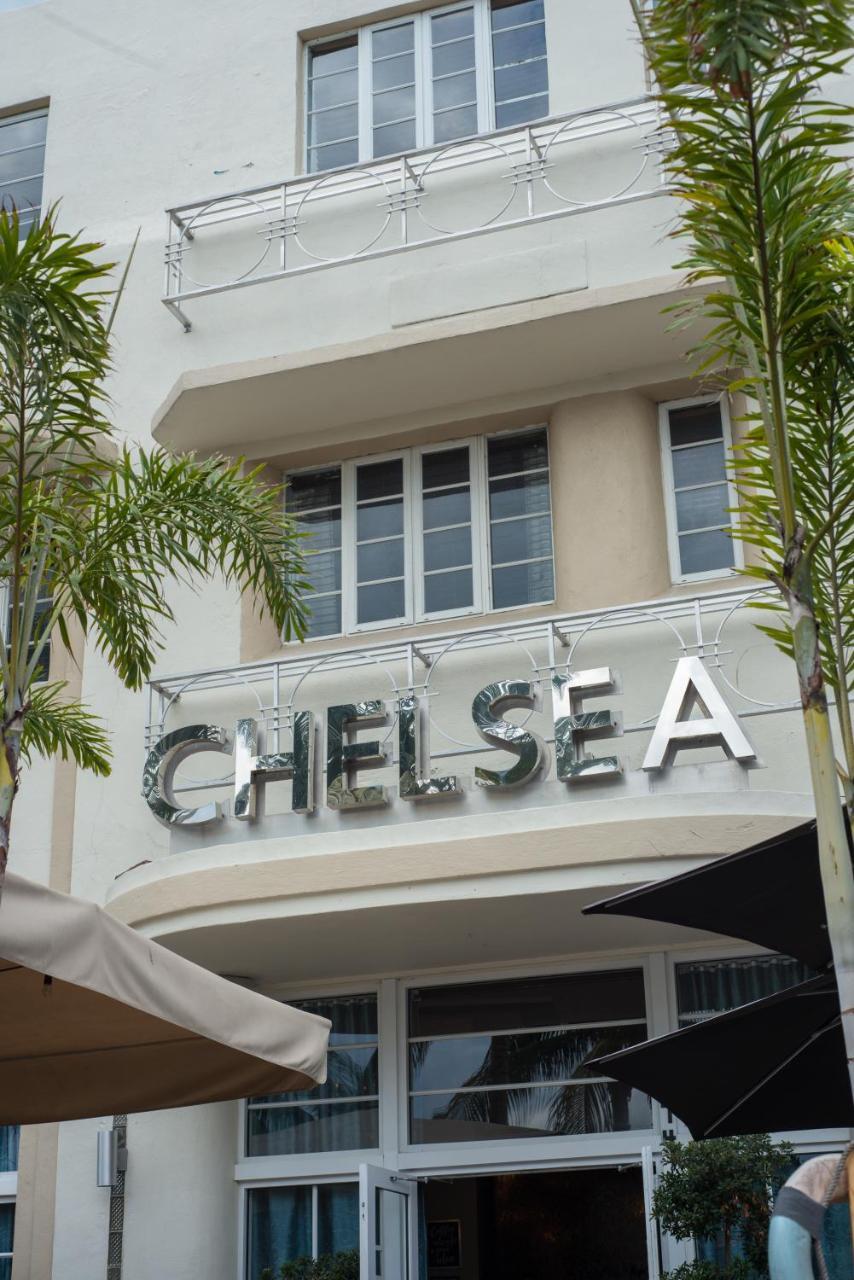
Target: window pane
x,y
559,1055
386,600
705,552
279,1226
379,479
9,1139
707,987
379,520
379,560
22,195
351,1073
509,113
445,467
325,619
511,13
454,91
332,91
319,1126
321,529
447,549
445,591
700,464
336,156
519,45
16,133
395,104
446,506
393,40
324,571
461,123
451,26
394,71
528,1113
521,540
698,508
509,454
337,55
522,81
518,495
337,1218
547,1001
695,422
329,126
448,58
523,584
353,1018
20,164
394,138
314,489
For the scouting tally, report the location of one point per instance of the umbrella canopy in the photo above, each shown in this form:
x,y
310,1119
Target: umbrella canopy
x,y
96,1019
776,1064
769,894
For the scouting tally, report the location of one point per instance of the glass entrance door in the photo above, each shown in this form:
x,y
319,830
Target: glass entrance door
x,y
388,1225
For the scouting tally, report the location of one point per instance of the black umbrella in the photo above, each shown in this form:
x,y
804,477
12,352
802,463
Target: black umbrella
x,y
769,894
775,1064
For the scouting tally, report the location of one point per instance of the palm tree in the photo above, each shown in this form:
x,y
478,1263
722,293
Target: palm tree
x,y
90,530
760,170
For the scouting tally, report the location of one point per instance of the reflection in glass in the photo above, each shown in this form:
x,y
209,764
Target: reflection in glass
x,y
333,117
313,498
520,69
337,1218
307,1127
382,601
446,591
499,1114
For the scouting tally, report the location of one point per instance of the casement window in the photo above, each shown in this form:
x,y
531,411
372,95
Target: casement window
x,y
505,1060
425,80
22,143
43,607
695,446
7,1237
341,1115
440,531
287,1223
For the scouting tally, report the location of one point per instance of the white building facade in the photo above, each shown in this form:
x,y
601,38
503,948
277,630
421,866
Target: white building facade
x,y
412,260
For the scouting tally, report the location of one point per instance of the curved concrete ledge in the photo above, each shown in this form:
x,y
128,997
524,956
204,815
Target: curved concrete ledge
x,y
445,858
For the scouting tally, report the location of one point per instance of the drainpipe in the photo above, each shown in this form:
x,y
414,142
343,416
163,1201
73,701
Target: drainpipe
x,y
797,1224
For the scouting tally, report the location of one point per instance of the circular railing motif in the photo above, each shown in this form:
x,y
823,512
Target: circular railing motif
x,y
325,189
566,134
466,151
194,226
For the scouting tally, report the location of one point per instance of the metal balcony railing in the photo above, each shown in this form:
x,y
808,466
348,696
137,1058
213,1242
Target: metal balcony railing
x,y
717,627
585,160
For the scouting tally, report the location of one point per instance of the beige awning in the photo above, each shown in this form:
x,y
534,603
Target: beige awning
x,y
97,1020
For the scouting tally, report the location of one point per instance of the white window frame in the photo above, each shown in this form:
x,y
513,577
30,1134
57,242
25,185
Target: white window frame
x,y
484,77
19,117
415,612
669,487
8,1198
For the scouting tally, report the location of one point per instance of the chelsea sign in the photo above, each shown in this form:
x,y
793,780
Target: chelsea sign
x,y
691,688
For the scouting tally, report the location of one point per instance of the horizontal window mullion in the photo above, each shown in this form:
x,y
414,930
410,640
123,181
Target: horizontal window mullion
x,y
17,151
451,75
510,1088
16,182
509,564
519,26
372,542
338,106
377,582
698,444
315,1102
451,568
706,484
523,515
446,528
386,124
521,1031
704,528
459,106
530,471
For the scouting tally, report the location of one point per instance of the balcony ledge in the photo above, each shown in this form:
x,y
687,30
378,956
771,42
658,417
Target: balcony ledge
x,y
525,354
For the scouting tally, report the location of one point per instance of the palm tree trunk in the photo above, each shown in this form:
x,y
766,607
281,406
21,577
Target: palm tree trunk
x,y
837,876
10,751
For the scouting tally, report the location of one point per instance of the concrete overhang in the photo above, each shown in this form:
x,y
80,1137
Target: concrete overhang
x,y
536,352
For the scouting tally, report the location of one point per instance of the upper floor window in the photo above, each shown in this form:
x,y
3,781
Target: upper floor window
x,y
9,1139
43,607
695,441
22,143
7,1237
707,987
439,531
429,79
